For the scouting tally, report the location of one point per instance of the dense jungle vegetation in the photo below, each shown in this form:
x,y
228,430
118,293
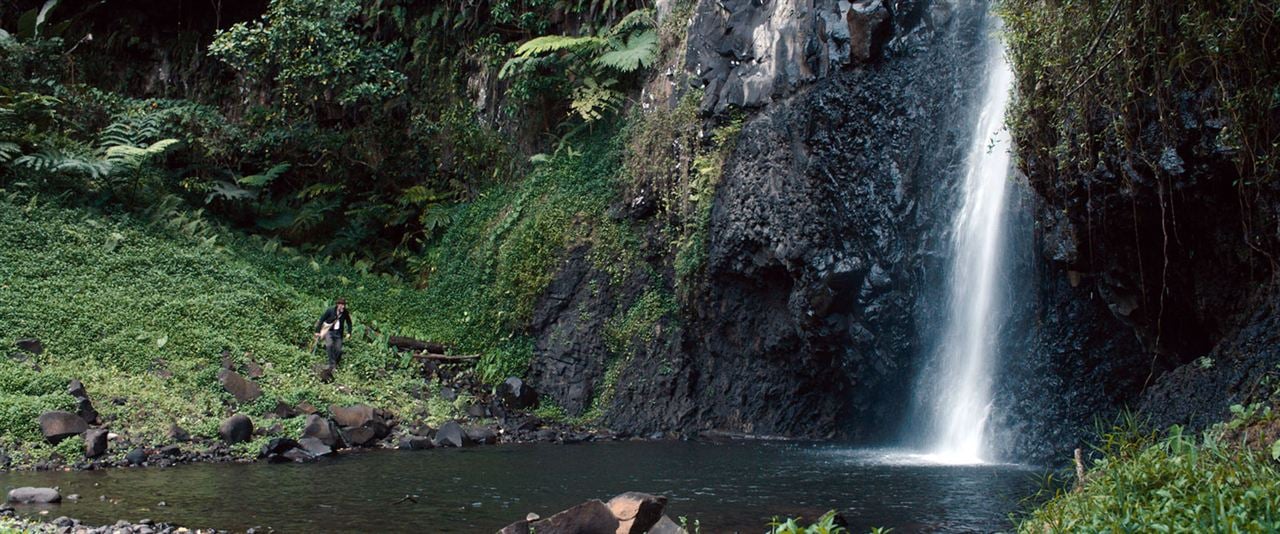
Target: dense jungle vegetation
x,y
206,178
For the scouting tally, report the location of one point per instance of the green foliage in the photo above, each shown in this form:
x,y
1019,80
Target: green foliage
x,y
1093,75
824,525
592,61
115,300
1223,481
310,52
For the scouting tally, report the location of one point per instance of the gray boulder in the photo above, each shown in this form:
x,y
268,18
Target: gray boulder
x,y
57,425
314,446
482,434
31,345
452,435
30,495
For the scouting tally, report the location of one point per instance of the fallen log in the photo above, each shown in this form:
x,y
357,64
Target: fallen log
x,y
445,358
408,343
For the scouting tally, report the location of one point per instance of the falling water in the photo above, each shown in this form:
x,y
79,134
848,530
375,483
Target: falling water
x,y
967,349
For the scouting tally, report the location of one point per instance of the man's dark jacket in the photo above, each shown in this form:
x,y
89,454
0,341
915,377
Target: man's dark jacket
x,y
328,317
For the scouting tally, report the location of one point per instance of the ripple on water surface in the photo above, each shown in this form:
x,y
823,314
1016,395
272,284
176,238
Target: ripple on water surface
x,y
728,487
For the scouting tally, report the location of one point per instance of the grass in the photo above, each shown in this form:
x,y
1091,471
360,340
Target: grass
x,y
118,302
1223,481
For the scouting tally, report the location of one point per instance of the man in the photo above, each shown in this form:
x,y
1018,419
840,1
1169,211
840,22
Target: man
x,y
338,322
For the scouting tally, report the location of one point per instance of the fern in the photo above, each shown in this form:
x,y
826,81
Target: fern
x,y
546,44
640,51
133,157
638,19
262,180
8,151
55,160
593,98
229,191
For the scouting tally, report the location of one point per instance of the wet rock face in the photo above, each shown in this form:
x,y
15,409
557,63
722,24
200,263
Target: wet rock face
x,y
746,53
830,214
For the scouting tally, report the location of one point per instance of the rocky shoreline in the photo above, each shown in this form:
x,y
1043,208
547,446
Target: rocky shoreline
x,y
501,414
631,512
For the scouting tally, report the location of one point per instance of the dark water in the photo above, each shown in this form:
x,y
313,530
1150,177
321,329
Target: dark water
x,y
727,487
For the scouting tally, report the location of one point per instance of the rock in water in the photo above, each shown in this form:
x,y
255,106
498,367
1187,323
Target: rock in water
x,y
136,456
57,426
482,434
236,429
323,430
667,526
314,446
243,390
637,512
30,495
95,442
590,517
452,435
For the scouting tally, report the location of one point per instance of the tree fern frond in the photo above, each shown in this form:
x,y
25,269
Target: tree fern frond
x,y
539,46
261,180
640,50
8,151
640,18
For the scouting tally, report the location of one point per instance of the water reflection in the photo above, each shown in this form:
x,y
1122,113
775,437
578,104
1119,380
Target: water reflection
x,y
728,487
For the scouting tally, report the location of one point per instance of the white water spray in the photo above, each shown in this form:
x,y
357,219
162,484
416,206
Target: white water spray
x,y
968,347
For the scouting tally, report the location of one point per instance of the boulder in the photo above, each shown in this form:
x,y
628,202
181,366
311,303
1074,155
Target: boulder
x,y
514,394
519,527
136,456
277,446
452,435
296,455
31,345
84,406
415,443
637,512
254,370
323,430
314,446
666,526
482,434
307,408
30,495
236,429
477,411
243,390
284,411
448,393
365,435
352,416
591,517
95,442
57,426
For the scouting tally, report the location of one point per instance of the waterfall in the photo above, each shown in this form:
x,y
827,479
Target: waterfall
x,y
967,350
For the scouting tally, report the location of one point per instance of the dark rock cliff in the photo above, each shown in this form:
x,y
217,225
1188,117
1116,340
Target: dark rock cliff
x,y
1137,284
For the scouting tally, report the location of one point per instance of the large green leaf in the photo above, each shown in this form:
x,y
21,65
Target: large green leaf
x,y
558,43
640,50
